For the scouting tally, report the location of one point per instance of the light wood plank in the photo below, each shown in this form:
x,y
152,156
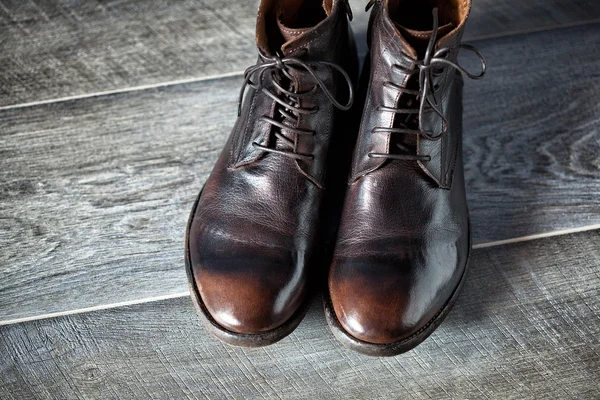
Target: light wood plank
x,y
60,48
95,193
526,326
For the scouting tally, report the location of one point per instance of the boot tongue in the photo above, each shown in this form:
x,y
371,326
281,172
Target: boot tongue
x,y
420,39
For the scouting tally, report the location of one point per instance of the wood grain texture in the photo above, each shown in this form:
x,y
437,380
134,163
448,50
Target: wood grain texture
x,y
526,326
95,193
60,48
532,134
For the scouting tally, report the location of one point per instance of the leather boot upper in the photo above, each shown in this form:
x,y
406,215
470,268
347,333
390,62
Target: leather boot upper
x,y
253,235
404,237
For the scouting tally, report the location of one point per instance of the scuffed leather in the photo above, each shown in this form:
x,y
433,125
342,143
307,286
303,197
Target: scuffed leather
x,y
404,235
255,232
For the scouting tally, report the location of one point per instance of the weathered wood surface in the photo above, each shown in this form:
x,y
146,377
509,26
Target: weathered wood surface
x,y
527,325
59,48
532,134
95,193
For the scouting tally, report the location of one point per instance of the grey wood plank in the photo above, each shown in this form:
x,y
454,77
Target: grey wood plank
x,y
494,18
532,134
61,48
527,325
95,193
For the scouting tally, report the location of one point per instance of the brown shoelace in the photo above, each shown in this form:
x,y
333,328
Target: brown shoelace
x,y
289,108
431,65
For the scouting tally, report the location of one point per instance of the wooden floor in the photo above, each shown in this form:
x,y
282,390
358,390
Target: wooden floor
x,y
112,114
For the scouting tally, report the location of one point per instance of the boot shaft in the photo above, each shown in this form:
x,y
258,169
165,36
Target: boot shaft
x,y
285,37
412,65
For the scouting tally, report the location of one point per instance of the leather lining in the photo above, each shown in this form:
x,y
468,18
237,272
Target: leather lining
x,y
292,14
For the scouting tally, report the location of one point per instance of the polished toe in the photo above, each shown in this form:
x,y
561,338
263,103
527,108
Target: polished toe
x,y
387,302
247,288
244,301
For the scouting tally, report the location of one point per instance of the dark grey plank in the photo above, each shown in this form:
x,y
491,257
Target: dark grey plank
x,y
94,193
526,326
493,18
61,48
532,134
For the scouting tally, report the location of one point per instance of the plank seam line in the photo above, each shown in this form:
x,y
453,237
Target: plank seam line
x,y
537,236
239,73
95,308
187,293
122,90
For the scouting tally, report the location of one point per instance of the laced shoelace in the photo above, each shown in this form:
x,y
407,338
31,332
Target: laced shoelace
x,y
290,109
431,65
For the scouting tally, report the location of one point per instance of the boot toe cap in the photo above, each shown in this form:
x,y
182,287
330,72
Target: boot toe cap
x,y
372,317
385,303
248,305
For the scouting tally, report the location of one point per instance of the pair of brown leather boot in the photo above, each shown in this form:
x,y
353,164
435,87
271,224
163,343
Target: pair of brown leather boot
x,y
301,162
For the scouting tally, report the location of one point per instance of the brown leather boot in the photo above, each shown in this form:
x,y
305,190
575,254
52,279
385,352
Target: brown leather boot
x,y
253,233
404,238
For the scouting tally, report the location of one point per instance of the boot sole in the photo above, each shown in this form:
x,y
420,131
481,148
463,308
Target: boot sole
x,y
401,346
222,333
